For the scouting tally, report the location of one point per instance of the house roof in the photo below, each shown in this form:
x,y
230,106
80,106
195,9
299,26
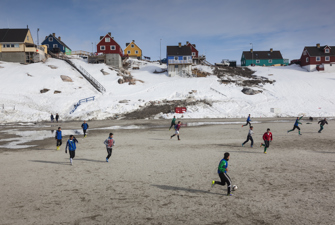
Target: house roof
x,y
193,45
111,39
262,55
60,42
13,35
315,51
176,50
132,43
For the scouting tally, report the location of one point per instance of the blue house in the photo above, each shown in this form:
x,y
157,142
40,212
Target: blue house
x,y
179,60
56,45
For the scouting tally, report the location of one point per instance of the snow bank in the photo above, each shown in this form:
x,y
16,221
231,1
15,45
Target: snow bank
x,y
295,92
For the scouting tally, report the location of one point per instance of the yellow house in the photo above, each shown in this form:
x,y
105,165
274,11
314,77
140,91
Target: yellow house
x,y
17,45
132,50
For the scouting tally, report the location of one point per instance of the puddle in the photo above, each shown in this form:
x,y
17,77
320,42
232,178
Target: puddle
x,y
28,136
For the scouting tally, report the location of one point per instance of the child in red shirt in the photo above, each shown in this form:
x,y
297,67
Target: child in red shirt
x,y
267,137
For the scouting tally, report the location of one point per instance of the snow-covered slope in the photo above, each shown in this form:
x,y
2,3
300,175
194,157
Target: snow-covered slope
x,y
294,92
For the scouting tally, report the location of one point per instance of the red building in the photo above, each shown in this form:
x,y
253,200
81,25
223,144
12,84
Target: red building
x,y
318,58
195,52
107,45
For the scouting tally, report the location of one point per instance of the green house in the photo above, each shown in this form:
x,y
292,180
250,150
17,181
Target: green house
x,y
263,58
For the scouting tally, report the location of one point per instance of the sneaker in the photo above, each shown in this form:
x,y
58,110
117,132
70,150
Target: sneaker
x,y
265,153
242,145
251,146
178,139
242,125
229,194
106,159
300,134
261,145
213,183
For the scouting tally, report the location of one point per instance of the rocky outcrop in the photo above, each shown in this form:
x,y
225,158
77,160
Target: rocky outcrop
x,y
249,91
44,90
66,78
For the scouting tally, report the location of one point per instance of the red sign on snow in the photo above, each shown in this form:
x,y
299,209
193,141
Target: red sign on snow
x,y
180,109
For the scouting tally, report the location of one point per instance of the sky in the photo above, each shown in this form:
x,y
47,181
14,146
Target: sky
x,y
221,29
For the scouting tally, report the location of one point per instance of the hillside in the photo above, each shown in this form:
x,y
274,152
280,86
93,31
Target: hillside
x,y
294,92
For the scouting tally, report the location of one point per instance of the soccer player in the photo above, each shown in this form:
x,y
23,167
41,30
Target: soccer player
x,y
248,122
85,127
173,122
296,125
176,128
58,137
249,137
267,137
222,171
109,142
71,144
322,123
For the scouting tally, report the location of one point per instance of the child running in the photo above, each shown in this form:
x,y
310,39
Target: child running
x,y
322,123
267,137
249,137
176,128
109,142
222,171
248,122
58,137
296,125
71,144
173,122
85,127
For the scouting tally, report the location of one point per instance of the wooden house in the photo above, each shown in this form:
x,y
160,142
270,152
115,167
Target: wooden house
x,y
179,60
133,51
263,58
111,49
195,52
17,45
56,45
318,58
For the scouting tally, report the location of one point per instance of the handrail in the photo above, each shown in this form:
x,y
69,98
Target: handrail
x,y
101,88
82,101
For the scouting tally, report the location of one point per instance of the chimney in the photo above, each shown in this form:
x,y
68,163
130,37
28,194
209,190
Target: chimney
x,y
127,44
113,38
271,50
179,44
251,50
27,26
46,37
318,45
59,38
101,37
133,41
187,42
109,33
54,34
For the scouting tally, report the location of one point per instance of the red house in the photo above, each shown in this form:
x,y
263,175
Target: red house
x,y
318,58
195,52
107,45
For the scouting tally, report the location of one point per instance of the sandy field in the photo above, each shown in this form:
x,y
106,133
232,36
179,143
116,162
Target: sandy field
x,y
151,179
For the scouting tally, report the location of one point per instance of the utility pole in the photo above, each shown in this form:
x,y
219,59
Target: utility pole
x,y
92,48
160,51
252,54
38,42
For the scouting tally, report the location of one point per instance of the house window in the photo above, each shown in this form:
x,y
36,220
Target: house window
x,y
176,66
12,45
184,58
136,52
318,58
113,47
327,58
8,46
102,48
51,39
258,61
193,53
132,46
55,45
327,50
270,60
27,38
107,40
176,58
306,59
4,46
17,46
128,52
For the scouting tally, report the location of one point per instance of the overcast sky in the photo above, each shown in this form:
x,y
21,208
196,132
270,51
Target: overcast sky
x,y
220,29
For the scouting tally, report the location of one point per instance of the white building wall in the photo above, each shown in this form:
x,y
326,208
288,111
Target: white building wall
x,y
182,70
329,67
310,68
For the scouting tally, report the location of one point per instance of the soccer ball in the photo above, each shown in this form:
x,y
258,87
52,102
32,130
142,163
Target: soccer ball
x,y
234,187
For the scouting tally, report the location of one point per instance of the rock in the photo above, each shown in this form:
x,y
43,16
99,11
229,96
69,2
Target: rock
x,y
132,83
66,78
249,91
128,79
57,92
103,72
52,67
194,91
29,75
44,90
124,101
120,81
1,67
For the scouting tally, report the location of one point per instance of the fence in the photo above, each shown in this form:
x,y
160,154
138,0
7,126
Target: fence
x,y
218,92
82,101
